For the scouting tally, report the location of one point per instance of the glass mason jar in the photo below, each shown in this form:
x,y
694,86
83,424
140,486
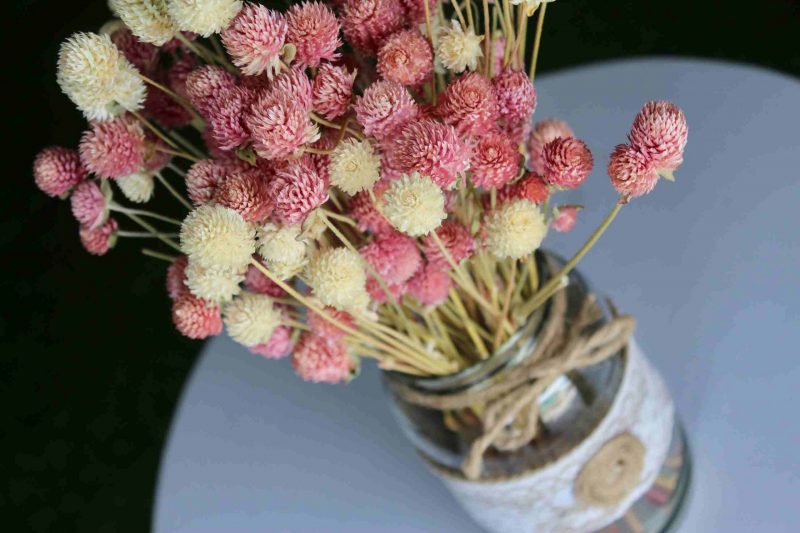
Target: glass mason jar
x,y
597,422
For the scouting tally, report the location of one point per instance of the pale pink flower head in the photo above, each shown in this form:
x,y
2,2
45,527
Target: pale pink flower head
x,y
566,217
279,344
144,56
326,329
245,192
366,215
430,286
470,104
567,162
113,148
431,148
332,90
367,23
495,161
415,9
296,190
517,102
256,281
378,294
632,172
385,107
56,170
176,277
255,40
196,318
279,126
293,84
204,177
405,57
543,132
99,240
89,205
394,256
314,30
225,116
321,360
660,132
457,240
205,84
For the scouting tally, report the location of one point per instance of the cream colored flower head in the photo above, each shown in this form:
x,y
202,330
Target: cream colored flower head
x,y
458,50
217,237
138,187
213,284
203,17
515,229
95,75
339,279
149,20
531,5
251,318
355,166
281,244
414,204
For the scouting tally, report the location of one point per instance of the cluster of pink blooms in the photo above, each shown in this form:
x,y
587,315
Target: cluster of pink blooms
x,y
273,125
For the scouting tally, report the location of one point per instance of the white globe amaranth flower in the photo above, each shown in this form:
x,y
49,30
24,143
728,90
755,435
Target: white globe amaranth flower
x,y
530,5
414,204
217,237
458,50
338,278
203,17
98,79
281,244
314,225
515,229
355,166
149,20
251,318
138,187
213,284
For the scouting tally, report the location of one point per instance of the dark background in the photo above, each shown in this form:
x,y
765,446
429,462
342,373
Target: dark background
x,y
90,366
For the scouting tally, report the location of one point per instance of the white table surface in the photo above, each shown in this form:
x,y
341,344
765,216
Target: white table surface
x,y
710,266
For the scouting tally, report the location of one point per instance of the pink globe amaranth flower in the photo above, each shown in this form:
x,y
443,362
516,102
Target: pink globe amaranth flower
x,y
211,145
225,116
314,30
195,318
256,281
279,126
322,360
367,23
394,256
632,172
255,40
99,240
56,170
498,52
378,295
295,190
457,240
516,97
177,74
566,217
204,177
279,344
327,330
332,90
245,192
415,9
432,149
113,148
205,85
405,57
293,84
367,216
470,104
385,107
430,286
495,161
144,56
154,158
660,132
89,205
531,187
163,108
176,278
322,162
543,132
567,162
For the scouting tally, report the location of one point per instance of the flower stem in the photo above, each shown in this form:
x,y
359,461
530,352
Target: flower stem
x,y
154,231
158,255
141,212
173,191
537,40
178,153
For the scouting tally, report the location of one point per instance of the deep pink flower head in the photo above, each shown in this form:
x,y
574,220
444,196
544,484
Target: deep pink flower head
x,y
325,329
322,162
179,72
543,132
378,295
394,256
457,240
495,161
660,132
211,145
195,318
293,84
385,107
366,215
295,190
431,148
405,57
470,104
498,52
367,23
205,85
430,286
322,360
154,158
566,217
255,40
567,162
278,346
256,281
517,100
632,173
532,187
279,126
56,170
113,148
225,115
245,192
165,110
89,205
204,177
415,9
176,277
332,90
314,30
98,241
144,56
